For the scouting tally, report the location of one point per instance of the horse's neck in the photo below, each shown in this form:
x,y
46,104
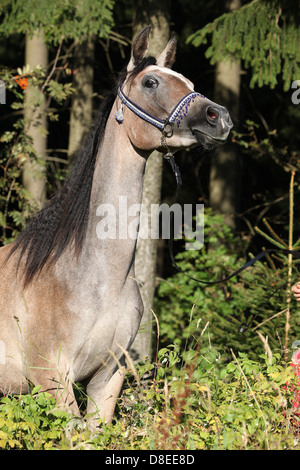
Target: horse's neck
x,y
117,183
119,169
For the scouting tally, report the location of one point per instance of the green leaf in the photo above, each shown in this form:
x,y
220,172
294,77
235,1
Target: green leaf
x,y
36,389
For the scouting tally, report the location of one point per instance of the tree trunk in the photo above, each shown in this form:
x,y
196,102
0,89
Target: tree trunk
x,y
82,99
155,13
224,174
34,179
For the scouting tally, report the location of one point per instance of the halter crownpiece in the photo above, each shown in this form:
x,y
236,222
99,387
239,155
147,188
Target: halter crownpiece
x,y
178,113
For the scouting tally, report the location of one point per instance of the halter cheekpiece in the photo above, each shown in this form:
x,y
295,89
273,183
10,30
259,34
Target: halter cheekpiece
x,y
165,125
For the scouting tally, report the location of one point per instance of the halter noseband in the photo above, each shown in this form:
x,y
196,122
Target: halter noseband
x,y
165,125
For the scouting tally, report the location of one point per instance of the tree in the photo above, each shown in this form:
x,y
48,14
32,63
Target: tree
x,y
34,180
223,185
156,13
82,99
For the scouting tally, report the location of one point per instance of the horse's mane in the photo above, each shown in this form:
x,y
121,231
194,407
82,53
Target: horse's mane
x,y
63,221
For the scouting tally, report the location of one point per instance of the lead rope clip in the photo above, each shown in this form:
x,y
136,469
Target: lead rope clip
x,y
170,157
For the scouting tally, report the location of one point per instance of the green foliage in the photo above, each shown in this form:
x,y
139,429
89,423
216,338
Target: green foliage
x,y
186,308
263,34
59,91
199,403
194,405
31,422
272,145
73,19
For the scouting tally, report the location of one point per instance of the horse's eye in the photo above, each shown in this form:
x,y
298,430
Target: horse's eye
x,y
151,83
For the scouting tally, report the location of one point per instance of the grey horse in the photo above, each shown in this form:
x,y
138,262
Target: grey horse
x,y
70,306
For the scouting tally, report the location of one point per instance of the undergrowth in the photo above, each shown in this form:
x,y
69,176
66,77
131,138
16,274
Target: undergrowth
x,y
190,402
208,388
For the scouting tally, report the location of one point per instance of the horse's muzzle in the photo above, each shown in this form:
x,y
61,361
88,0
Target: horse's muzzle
x,y
212,124
218,116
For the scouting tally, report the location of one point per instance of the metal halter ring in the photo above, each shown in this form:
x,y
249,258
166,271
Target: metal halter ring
x,y
168,128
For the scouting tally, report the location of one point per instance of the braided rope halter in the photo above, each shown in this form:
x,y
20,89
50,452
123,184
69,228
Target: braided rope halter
x,y
178,112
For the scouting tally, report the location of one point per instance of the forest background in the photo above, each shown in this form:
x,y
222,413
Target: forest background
x,y
59,59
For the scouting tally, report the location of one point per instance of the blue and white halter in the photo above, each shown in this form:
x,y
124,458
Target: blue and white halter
x,y
177,114
165,125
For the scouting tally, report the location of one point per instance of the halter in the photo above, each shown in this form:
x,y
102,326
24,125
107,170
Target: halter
x,y
165,125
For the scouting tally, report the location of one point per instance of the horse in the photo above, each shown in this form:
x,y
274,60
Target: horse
x,y
70,305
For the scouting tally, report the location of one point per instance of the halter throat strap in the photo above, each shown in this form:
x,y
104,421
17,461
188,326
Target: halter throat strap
x,y
177,113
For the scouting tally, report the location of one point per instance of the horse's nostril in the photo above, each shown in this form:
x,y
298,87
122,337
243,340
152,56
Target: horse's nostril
x,y
212,114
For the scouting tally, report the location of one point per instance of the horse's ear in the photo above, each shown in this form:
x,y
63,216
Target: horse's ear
x,y
167,57
139,48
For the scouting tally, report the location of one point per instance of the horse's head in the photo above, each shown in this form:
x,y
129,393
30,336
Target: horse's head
x,y
164,109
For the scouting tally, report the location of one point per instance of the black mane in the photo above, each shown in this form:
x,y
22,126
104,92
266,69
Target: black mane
x,y
63,221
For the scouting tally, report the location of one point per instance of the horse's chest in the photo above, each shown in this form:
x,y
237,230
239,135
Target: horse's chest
x,y
103,336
